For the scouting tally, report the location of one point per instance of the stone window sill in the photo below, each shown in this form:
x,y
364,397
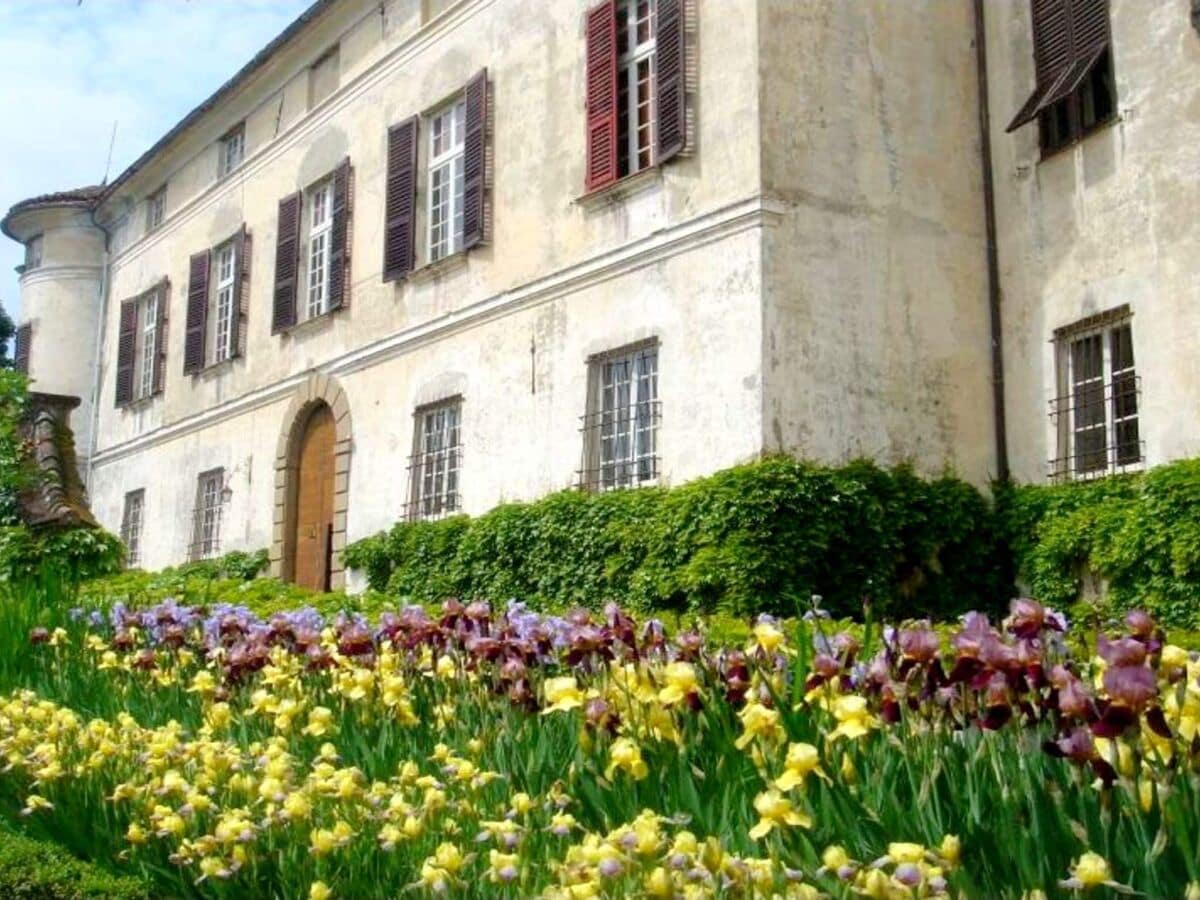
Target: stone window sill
x,y
611,194
440,268
313,323
216,369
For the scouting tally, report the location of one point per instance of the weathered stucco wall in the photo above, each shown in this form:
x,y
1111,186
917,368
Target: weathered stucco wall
x,y
876,338
1109,221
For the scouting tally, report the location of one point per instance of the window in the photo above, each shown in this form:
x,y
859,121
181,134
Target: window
x,y
620,427
140,344
320,223
33,253
635,85
1076,89
131,526
436,460
22,340
147,345
446,131
231,151
323,78
1096,412
225,302
206,519
156,208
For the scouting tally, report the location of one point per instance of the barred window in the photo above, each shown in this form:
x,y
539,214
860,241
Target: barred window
x,y
131,526
436,461
1096,411
620,427
206,518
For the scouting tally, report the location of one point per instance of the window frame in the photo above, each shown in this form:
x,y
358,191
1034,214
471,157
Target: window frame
x,y
451,161
146,346
1097,402
436,492
132,526
630,149
208,514
1072,110
156,209
234,137
603,470
311,231
224,289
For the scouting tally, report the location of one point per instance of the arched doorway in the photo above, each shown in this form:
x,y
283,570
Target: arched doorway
x,y
312,486
313,540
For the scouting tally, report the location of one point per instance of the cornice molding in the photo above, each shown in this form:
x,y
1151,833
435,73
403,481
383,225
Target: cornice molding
x,y
755,212
59,273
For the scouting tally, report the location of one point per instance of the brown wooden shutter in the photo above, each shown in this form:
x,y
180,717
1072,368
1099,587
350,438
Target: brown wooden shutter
x,y
21,344
601,58
287,261
475,160
339,235
160,337
196,322
241,288
669,72
399,233
126,348
1069,37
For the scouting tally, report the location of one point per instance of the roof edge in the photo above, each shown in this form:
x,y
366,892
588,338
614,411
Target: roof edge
x,y
80,198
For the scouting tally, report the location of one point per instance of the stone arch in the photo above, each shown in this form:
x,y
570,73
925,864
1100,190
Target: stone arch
x,y
317,390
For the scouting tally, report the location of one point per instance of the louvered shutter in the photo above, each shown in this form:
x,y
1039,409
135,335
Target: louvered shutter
x,y
601,58
669,72
241,289
339,235
196,322
160,338
475,160
126,348
399,233
287,260
21,344
1069,37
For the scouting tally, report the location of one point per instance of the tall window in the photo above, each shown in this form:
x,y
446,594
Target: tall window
x,y
1076,91
621,424
147,344
1097,411
231,150
323,78
446,131
156,208
131,526
33,253
320,223
226,302
436,460
635,85
206,519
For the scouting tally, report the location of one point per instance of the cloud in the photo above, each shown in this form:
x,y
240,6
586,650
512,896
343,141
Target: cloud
x,y
70,70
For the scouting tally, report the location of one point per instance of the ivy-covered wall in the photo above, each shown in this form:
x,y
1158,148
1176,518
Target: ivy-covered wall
x,y
762,537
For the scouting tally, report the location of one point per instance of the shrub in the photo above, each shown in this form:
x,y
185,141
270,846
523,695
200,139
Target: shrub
x,y
762,537
1140,533
32,559
39,870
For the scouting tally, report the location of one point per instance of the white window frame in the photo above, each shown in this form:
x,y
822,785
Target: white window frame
x,y
621,425
638,53
206,521
446,180
224,300
146,347
35,249
436,485
156,209
1074,397
131,526
318,205
231,150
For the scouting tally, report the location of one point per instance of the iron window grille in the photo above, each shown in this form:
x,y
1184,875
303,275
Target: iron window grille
x,y
207,515
436,463
1096,413
131,526
620,427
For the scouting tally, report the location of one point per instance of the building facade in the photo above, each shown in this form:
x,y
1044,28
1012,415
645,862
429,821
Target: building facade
x,y
426,256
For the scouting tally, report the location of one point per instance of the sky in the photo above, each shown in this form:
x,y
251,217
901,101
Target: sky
x,y
70,68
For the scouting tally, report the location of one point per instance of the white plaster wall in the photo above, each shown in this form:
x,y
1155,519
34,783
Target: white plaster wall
x,y
876,336
1109,221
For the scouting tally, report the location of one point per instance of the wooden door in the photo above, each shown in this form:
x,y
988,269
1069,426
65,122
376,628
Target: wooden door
x,y
314,502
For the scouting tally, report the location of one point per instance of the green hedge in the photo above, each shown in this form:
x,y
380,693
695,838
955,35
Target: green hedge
x,y
40,870
1141,533
762,537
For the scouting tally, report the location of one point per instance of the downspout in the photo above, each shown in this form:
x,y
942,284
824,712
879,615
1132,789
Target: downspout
x,y
993,263
99,369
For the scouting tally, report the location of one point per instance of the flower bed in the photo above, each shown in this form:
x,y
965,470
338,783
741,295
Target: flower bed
x,y
510,753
